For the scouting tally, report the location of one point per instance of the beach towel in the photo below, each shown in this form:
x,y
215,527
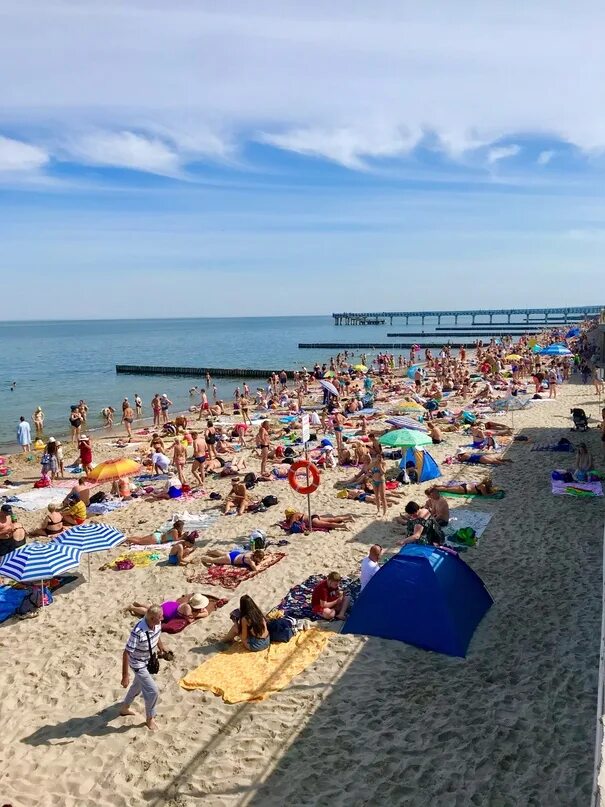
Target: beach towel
x,y
563,447
193,521
11,596
135,557
297,602
100,508
10,600
179,623
231,576
37,499
462,518
580,489
238,675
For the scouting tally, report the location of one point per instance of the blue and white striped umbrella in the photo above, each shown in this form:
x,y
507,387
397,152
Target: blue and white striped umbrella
x,y
406,423
39,561
91,537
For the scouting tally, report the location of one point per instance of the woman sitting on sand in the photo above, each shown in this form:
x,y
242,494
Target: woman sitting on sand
x,y
248,560
584,463
189,606
296,522
180,550
52,523
484,488
481,459
250,625
175,533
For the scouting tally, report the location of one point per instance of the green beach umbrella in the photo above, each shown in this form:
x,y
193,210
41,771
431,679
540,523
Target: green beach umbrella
x,y
405,438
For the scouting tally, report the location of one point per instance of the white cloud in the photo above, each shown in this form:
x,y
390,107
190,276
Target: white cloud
x,y
347,146
498,153
340,80
17,156
544,157
125,150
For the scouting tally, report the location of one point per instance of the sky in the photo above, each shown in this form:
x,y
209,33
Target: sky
x,y
195,158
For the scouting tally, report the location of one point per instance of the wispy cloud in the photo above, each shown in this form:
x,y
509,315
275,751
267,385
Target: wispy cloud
x,y
125,150
544,157
349,146
498,153
16,156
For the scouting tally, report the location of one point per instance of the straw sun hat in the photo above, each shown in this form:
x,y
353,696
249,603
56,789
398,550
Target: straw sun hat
x,y
198,602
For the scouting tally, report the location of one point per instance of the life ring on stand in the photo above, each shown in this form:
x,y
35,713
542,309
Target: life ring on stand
x,y
313,474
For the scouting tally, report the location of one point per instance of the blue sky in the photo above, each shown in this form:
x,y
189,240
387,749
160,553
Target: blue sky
x,y
195,159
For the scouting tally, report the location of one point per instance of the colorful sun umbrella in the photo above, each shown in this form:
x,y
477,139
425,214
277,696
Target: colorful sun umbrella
x,y
556,350
405,438
361,367
406,423
109,470
330,387
329,374
39,561
91,538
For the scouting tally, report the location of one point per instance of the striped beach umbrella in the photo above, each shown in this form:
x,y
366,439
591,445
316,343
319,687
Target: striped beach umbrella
x,y
329,387
109,470
406,423
91,538
39,561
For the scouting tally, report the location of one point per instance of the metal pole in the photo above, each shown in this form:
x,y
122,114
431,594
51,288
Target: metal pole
x,y
308,494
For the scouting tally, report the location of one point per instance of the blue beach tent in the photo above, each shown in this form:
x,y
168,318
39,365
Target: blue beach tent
x,y
425,463
423,596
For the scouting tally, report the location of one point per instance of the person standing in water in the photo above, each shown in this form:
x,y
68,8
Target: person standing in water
x,y
38,418
24,435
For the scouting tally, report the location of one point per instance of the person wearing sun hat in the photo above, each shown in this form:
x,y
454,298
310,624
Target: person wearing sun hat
x,y
189,606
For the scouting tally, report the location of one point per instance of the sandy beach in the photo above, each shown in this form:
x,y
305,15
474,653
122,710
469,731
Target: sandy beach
x,y
370,722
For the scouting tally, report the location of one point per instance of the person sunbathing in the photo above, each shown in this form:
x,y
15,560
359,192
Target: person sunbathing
x,y
484,488
481,459
492,426
247,560
249,625
52,524
356,495
175,533
181,550
189,606
297,522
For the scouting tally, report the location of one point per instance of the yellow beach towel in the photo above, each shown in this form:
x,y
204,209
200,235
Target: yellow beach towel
x,y
239,675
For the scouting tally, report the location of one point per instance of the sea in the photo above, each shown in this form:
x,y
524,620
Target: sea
x,y
55,364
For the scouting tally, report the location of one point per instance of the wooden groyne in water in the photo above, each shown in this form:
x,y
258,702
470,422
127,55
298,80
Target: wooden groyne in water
x,y
198,372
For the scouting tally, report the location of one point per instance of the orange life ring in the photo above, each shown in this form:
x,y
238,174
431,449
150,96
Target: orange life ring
x,y
313,473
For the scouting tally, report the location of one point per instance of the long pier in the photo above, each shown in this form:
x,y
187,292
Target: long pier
x,y
379,345
568,314
197,372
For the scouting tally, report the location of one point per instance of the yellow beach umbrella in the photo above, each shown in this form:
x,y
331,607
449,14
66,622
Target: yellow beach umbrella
x,y
361,367
513,357
109,470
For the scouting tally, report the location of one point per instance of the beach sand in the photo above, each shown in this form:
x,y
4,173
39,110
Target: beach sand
x,y
371,722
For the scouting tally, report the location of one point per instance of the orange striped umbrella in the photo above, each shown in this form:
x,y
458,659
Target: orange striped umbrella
x,y
109,470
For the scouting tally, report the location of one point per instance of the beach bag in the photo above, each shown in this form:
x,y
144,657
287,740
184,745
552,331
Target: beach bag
x,y
123,565
257,540
561,476
97,498
153,665
269,501
281,629
466,536
174,492
36,598
468,417
433,534
43,482
250,480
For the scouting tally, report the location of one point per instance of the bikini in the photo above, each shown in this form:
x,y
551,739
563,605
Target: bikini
x,y
234,555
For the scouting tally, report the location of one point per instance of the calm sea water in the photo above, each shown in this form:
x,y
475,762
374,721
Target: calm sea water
x,y
56,364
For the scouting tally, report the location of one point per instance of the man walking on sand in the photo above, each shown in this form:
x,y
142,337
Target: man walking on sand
x,y
140,656
24,434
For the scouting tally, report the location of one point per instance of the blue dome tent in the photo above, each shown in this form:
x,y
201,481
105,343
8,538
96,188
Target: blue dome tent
x,y
426,466
423,596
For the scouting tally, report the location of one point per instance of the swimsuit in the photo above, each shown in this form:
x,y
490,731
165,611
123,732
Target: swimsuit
x,y
157,537
173,560
475,459
255,644
201,459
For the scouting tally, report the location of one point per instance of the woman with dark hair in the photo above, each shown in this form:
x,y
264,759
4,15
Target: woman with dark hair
x,y
250,625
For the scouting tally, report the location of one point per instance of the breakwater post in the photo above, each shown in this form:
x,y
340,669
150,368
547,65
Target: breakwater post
x,y
197,372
